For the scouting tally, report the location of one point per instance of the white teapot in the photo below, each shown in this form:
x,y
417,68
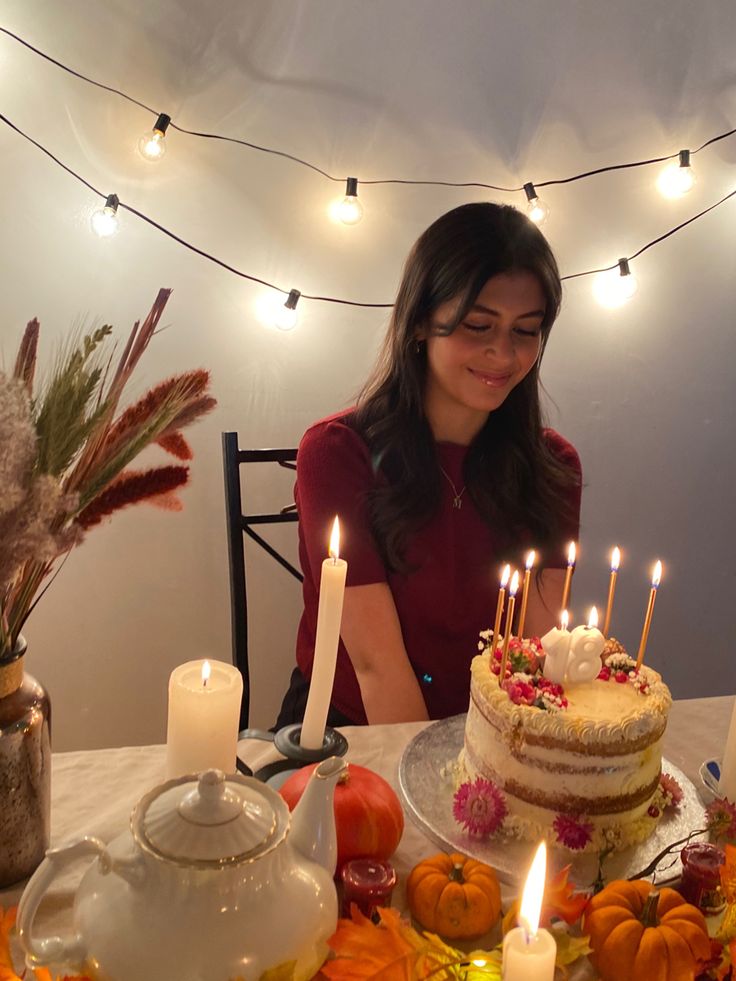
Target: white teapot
x,y
215,881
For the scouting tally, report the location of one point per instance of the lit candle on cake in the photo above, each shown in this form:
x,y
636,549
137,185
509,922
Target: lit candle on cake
x,y
615,562
656,579
204,715
530,559
727,783
529,953
556,646
500,605
586,647
568,574
329,615
509,620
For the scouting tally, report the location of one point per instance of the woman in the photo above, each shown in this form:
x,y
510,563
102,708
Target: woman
x,y
440,474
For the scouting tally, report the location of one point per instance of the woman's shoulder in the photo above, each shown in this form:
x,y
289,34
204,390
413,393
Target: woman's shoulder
x,y
333,435
562,448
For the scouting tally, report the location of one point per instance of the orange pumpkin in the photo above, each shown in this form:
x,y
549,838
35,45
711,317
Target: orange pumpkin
x,y
643,934
454,896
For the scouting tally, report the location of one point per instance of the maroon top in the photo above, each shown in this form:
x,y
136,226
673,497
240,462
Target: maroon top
x,y
443,604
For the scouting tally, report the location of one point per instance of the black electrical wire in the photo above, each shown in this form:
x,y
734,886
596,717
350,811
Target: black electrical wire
x,y
330,177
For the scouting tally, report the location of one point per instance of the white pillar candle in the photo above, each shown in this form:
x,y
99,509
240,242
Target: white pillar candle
x,y
556,646
329,615
528,952
727,783
204,713
586,647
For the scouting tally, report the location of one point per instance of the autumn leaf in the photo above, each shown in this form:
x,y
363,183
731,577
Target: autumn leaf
x,y
561,902
569,948
727,929
282,972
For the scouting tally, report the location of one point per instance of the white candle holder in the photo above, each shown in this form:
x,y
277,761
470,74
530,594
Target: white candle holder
x,y
286,742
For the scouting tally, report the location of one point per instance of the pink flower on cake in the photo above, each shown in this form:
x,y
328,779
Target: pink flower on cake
x,y
671,790
479,806
573,832
720,818
520,692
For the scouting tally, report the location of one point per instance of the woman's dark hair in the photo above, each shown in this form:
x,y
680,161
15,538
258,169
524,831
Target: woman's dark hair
x,y
516,482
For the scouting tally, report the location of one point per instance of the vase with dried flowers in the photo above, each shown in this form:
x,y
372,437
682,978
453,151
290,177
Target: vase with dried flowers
x,y
65,463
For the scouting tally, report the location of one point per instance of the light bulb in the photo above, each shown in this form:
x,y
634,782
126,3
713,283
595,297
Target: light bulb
x,y
286,316
104,221
614,287
350,210
677,178
536,209
152,145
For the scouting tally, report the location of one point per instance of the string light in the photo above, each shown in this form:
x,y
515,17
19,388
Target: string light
x,y
350,210
104,221
614,287
152,145
678,177
537,210
286,316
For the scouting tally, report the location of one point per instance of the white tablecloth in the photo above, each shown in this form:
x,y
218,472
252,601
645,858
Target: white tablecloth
x,y
93,792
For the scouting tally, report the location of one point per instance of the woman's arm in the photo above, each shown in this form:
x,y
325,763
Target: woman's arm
x,y
372,636
545,602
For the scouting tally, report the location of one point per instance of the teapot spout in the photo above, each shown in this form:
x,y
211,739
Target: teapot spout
x,y
313,832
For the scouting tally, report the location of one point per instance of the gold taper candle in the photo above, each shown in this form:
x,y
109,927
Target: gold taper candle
x,y
656,578
499,607
530,559
513,588
615,562
568,575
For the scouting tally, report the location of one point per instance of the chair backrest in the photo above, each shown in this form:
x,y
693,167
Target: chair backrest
x,y
238,523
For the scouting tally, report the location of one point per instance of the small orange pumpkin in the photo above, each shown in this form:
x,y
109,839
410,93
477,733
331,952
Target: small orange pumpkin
x,y
644,934
454,896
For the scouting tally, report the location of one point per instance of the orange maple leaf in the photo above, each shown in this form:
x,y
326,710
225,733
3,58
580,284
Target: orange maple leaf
x,y
560,902
391,950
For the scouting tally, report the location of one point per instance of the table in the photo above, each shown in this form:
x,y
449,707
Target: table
x,y
93,792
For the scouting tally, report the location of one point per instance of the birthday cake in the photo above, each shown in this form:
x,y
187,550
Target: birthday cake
x,y
579,764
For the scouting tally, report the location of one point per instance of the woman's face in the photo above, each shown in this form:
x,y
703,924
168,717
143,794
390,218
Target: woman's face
x,y
471,371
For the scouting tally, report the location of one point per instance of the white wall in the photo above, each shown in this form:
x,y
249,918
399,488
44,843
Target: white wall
x,y
484,91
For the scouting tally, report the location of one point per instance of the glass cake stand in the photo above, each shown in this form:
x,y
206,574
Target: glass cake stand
x,y
426,783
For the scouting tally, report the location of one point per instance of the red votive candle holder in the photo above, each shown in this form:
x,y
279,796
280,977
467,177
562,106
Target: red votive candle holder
x,y
368,883
701,876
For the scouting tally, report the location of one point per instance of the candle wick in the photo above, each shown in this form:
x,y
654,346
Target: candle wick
x,y
204,682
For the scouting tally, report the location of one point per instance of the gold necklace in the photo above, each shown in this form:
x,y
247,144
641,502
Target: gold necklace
x,y
456,501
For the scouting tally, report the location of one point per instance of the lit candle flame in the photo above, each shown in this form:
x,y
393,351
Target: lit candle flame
x,y
505,576
571,552
564,620
615,559
335,540
514,587
531,899
593,617
531,558
206,672
657,575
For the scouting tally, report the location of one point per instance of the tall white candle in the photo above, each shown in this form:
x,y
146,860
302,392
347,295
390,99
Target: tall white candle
x,y
556,647
329,615
727,783
586,647
204,713
528,952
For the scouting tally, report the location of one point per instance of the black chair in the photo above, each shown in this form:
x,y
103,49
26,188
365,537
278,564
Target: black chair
x,y
239,523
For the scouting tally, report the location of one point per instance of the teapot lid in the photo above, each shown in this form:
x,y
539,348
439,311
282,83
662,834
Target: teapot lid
x,y
209,820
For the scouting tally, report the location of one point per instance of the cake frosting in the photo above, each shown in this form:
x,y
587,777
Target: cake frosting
x,y
590,753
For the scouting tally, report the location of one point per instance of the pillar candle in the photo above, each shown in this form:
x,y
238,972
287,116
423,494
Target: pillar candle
x,y
204,715
528,952
329,615
727,783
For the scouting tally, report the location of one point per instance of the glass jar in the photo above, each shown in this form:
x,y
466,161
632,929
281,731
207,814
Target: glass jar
x,y
368,883
25,769
701,876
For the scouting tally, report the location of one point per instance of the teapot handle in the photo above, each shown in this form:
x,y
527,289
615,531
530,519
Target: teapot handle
x,y
41,951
